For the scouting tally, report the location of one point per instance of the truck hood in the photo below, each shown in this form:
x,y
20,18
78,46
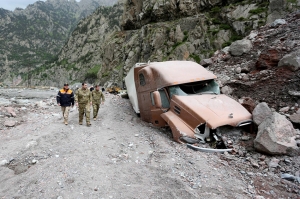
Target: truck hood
x,y
215,110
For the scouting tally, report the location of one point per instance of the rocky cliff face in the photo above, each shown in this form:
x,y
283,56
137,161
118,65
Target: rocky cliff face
x,y
157,31
29,37
80,57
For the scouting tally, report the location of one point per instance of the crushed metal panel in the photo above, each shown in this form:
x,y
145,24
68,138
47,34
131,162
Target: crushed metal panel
x,y
179,128
215,110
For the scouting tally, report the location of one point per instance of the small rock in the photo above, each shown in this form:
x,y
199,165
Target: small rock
x,y
241,153
284,109
245,138
295,118
259,197
9,123
287,161
238,70
226,90
4,162
262,158
278,22
254,163
206,62
31,144
294,93
262,163
274,163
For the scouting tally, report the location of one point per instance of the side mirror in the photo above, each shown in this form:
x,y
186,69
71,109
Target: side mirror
x,y
157,99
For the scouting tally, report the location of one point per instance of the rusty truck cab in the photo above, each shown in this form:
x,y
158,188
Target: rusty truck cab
x,y
184,96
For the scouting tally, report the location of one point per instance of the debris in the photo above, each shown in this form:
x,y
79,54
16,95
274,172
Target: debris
x,y
290,177
208,150
114,90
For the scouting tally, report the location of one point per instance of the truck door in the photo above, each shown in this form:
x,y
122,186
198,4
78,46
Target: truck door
x,y
143,87
156,118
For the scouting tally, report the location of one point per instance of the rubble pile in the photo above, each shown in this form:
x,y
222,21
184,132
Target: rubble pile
x,y
264,66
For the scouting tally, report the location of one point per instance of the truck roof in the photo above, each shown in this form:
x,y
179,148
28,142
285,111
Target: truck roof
x,y
178,72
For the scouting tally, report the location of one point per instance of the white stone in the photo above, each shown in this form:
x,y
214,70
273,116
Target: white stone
x,y
3,162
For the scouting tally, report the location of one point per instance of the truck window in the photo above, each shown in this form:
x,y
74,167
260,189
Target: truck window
x,y
142,79
201,87
164,99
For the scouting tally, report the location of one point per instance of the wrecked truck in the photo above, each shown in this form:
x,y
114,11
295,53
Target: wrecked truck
x,y
184,96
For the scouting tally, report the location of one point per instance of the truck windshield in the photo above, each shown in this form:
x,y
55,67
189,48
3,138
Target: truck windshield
x,y
202,87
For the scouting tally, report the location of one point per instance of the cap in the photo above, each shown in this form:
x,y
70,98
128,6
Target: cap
x,y
66,84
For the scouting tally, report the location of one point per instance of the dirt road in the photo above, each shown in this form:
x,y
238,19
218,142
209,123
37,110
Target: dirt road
x,y
119,156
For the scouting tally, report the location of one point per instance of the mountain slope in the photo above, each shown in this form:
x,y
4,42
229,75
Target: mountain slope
x,y
29,37
155,31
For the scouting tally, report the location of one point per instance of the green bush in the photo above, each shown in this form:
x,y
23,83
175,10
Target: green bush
x,y
292,1
196,58
225,26
215,10
216,21
258,10
95,69
214,31
91,75
227,43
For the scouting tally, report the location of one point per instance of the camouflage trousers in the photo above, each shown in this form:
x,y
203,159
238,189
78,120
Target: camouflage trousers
x,y
96,107
65,111
84,109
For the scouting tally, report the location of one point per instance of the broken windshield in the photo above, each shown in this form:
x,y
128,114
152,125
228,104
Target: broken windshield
x,y
201,87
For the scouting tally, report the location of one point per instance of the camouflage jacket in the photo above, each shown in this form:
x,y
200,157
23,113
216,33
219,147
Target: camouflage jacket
x,y
83,96
97,96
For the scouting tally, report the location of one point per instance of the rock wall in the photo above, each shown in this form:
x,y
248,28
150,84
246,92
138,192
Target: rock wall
x,y
156,31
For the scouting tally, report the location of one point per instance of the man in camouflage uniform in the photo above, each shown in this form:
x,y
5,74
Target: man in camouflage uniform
x,y
97,95
83,99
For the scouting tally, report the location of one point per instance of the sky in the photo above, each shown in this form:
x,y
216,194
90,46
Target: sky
x,y
12,4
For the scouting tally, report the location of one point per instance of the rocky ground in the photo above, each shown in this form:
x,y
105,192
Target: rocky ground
x,y
259,72
120,156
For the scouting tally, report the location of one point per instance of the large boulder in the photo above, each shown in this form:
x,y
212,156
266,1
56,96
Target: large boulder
x,y
240,47
261,112
276,136
291,61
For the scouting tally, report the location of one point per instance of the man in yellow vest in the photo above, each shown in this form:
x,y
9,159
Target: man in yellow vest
x,y
97,96
83,99
65,98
